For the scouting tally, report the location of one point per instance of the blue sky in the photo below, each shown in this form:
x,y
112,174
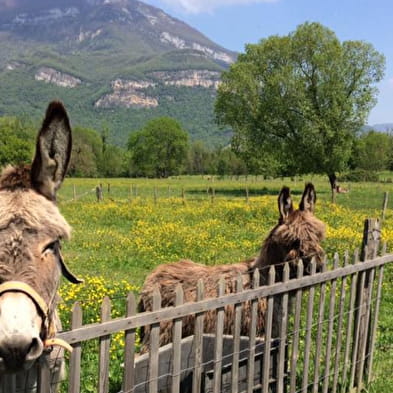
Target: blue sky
x,y
233,23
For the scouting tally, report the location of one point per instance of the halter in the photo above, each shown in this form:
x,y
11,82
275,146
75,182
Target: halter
x,y
18,286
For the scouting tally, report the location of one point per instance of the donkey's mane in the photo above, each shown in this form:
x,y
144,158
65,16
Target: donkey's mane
x,y
12,178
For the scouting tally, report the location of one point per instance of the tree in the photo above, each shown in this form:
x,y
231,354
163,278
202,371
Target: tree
x,y
86,155
228,163
305,93
159,149
199,159
113,162
373,151
16,141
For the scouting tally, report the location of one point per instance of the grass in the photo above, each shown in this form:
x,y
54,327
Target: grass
x,y
142,223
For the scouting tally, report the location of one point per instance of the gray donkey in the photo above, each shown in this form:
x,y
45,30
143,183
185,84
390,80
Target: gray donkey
x,y
31,229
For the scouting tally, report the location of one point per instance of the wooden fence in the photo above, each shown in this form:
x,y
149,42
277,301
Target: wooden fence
x,y
322,340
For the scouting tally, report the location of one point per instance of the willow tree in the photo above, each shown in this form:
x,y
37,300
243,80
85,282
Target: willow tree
x,y
305,93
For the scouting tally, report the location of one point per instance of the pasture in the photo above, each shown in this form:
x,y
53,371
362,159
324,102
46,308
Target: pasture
x,y
143,223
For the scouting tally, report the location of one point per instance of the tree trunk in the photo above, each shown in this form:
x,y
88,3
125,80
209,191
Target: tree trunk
x,y
333,185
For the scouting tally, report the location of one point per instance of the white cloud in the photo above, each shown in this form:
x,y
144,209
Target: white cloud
x,y
390,82
207,6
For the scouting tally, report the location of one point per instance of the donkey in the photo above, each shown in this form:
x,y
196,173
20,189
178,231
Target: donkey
x,y
31,229
297,235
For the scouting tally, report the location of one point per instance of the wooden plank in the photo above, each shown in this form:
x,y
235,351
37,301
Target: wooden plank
x,y
129,347
318,349
350,321
341,306
359,303
374,324
219,339
252,335
236,338
198,343
332,305
104,347
8,383
95,330
296,330
154,346
268,334
75,357
44,375
366,317
309,321
281,384
177,333
371,239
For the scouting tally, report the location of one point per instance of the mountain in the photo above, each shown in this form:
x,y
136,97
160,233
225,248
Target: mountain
x,y
115,64
383,127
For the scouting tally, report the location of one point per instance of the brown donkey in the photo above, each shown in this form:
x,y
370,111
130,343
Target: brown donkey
x,y
297,235
31,229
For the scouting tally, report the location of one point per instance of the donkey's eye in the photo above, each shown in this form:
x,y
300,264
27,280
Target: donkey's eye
x,y
52,247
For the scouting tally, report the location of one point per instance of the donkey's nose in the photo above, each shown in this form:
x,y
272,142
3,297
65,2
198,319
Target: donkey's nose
x,y
20,352
20,327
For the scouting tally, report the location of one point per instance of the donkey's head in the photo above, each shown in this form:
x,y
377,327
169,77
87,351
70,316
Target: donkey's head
x,y
297,235
31,228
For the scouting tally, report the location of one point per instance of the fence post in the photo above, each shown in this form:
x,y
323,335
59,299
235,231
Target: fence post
x,y
129,347
198,343
183,196
99,193
371,239
177,332
385,205
104,347
75,357
370,244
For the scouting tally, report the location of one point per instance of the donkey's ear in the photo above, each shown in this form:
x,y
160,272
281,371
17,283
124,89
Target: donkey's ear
x,y
285,205
308,199
53,151
68,274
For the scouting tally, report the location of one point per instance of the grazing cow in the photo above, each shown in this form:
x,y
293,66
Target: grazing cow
x,y
31,230
297,235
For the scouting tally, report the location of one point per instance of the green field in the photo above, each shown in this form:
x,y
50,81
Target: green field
x,y
143,223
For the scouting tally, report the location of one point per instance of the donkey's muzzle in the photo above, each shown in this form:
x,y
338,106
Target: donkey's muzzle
x,y
20,330
20,352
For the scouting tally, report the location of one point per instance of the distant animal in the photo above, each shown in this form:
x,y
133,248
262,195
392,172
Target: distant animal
x,y
31,230
297,235
341,190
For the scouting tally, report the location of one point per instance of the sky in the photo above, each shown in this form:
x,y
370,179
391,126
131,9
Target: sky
x,y
233,23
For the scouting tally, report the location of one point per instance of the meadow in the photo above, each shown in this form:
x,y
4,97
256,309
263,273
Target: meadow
x,y
142,223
